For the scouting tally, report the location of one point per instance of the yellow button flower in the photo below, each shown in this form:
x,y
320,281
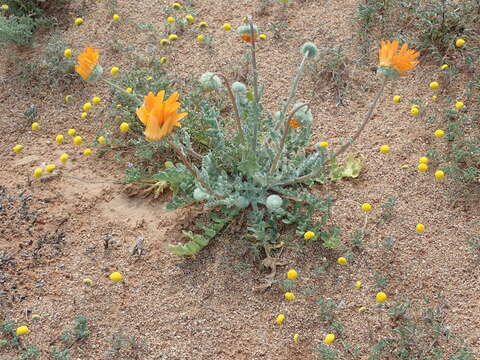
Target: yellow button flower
x,y
18,148
35,126
67,53
114,71
38,172
176,6
342,261
116,276
358,284
64,158
289,296
101,140
96,100
227,27
164,42
77,140
129,90
309,235
262,37
87,282
172,37
415,110
420,228
439,174
116,17
50,168
202,24
396,99
84,115
434,85
366,207
384,149
71,132
295,338
59,139
22,330
280,318
87,152
459,43
68,98
330,338
423,160
124,127
170,20
190,19
78,21
444,66
200,38
422,167
459,105
381,297
292,274
439,133
87,106
163,60
323,144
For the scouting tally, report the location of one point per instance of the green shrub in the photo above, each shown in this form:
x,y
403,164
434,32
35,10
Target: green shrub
x,y
19,21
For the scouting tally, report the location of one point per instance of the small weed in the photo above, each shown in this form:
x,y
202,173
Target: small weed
x,y
331,68
327,309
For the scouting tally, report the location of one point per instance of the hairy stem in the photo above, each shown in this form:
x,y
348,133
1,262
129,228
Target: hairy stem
x,y
365,121
255,87
138,97
293,90
191,168
345,146
235,109
286,131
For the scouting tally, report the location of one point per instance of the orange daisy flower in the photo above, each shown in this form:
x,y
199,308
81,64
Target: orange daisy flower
x,y
159,116
88,67
401,61
245,32
294,124
246,37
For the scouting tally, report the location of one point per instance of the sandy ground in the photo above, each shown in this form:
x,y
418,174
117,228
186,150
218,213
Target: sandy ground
x,y
205,308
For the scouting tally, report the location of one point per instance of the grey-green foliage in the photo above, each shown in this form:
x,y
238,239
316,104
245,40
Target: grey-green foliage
x,y
16,30
18,23
419,335
251,158
430,26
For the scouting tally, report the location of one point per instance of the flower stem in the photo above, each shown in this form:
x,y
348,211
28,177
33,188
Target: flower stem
x,y
365,121
293,90
286,131
235,109
345,146
191,168
255,88
136,96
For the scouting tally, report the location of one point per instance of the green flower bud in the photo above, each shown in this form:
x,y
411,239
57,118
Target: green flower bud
x,y
309,49
209,81
274,202
304,115
242,202
239,88
96,73
200,195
